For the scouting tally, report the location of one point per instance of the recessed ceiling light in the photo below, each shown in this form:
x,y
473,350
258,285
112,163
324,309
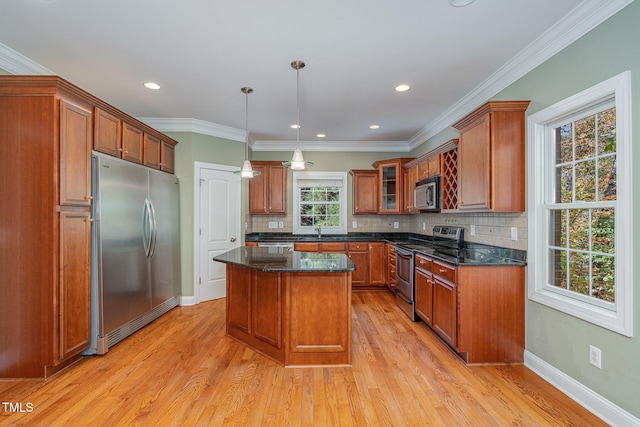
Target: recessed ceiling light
x,y
295,126
374,127
152,85
460,3
321,135
402,88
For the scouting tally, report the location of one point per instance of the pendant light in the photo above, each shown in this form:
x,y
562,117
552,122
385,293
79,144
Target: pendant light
x,y
297,162
247,171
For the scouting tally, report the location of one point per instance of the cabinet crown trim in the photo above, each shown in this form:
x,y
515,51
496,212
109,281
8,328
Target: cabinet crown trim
x,y
491,107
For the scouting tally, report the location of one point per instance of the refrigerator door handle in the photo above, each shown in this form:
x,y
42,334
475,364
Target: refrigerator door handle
x,y
147,228
154,229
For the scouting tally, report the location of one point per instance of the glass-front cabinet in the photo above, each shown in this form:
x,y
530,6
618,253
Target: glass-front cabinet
x,y
391,185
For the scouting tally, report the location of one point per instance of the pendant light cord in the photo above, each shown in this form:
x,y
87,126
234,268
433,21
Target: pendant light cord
x,y
246,127
298,106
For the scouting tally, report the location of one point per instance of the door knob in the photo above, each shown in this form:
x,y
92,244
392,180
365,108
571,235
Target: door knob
x,y
233,239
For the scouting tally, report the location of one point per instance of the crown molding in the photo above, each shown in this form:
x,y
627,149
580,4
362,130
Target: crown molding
x,y
195,126
16,63
582,19
333,146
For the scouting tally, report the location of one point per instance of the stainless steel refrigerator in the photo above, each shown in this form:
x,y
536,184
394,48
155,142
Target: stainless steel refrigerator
x,y
135,249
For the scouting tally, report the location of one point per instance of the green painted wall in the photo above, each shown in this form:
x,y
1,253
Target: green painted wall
x,y
3,72
559,339
191,148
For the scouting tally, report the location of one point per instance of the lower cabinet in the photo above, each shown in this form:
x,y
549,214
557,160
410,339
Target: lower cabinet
x,y
390,263
424,295
445,314
369,258
359,255
74,296
477,310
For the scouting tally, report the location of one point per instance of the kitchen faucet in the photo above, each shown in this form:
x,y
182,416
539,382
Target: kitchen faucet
x,y
319,230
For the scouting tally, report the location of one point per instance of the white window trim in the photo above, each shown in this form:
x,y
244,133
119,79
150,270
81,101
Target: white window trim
x,y
299,229
620,319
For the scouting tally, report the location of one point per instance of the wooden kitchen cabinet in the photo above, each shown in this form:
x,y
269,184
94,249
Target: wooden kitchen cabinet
x,y
390,185
167,156
445,315
424,295
48,128
268,191
449,182
359,254
132,143
152,148
117,138
367,256
391,266
410,176
107,133
158,153
365,191
477,310
491,168
428,166
376,264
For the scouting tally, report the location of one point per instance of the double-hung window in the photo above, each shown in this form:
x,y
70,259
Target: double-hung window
x,y
580,221
320,202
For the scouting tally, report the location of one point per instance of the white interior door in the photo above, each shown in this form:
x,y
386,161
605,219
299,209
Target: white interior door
x,y
219,229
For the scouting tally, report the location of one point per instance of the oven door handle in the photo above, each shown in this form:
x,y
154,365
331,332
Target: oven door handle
x,y
401,295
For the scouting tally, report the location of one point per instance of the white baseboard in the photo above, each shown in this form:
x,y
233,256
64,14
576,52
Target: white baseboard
x,y
592,401
187,300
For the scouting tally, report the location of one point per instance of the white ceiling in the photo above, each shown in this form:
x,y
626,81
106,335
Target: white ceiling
x,y
203,51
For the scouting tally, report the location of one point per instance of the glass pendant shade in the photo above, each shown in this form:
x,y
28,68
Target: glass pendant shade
x,y
297,162
247,171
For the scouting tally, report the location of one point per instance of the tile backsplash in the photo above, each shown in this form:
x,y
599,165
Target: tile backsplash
x,y
490,228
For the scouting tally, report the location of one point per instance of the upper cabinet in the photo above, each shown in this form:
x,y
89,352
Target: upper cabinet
x,y
158,153
391,185
268,191
130,141
491,174
365,191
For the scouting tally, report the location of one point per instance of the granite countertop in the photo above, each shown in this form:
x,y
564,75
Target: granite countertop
x,y
284,260
472,254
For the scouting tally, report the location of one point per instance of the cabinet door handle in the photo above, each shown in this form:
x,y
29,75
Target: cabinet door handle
x,y
120,150
441,270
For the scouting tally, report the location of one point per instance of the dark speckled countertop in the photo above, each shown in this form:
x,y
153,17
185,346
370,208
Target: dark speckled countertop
x,y
284,260
471,254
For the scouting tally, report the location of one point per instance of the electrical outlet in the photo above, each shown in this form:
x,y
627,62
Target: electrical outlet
x,y
595,356
396,224
473,230
281,224
424,225
514,233
354,224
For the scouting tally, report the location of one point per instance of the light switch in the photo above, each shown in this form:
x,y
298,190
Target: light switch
x,y
354,224
514,233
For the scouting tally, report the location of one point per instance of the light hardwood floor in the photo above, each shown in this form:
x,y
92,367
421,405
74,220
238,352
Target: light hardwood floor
x,y
183,371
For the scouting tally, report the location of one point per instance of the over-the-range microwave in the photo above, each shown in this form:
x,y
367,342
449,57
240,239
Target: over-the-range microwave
x,y
426,196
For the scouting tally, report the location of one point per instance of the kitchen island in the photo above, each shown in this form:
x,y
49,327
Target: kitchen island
x,y
293,307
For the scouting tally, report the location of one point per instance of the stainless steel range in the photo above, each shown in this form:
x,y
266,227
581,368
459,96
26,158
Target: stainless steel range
x,y
447,241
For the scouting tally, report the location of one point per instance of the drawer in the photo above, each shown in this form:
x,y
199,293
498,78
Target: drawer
x,y
305,247
333,247
392,273
362,246
424,262
444,270
392,258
